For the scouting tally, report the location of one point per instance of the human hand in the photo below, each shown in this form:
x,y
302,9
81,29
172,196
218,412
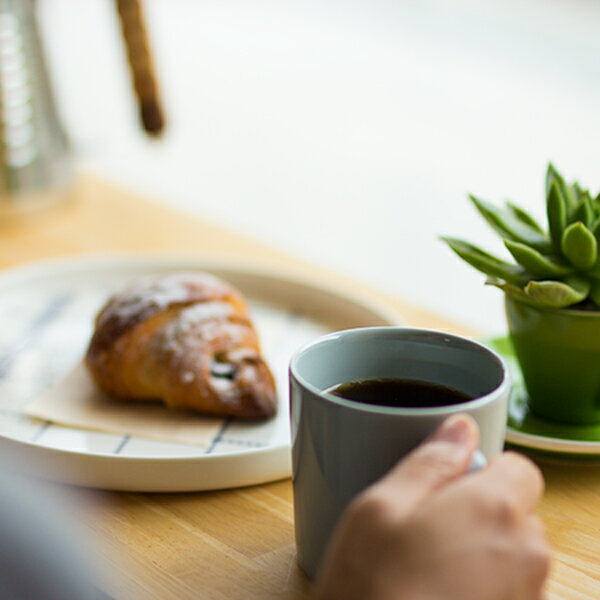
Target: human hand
x,y
426,532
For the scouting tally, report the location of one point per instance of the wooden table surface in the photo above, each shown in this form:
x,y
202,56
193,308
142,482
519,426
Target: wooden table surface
x,y
239,544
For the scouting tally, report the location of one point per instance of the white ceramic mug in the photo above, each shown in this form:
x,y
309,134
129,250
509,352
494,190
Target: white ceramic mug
x,y
340,446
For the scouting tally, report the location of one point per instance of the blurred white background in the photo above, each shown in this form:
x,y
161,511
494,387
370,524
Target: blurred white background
x,y
347,133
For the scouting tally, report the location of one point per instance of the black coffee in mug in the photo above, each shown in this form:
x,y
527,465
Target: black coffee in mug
x,y
406,393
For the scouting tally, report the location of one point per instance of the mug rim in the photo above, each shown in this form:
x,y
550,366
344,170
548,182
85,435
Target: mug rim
x,y
469,405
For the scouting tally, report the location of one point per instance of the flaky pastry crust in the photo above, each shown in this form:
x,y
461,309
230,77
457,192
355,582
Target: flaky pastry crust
x,y
185,339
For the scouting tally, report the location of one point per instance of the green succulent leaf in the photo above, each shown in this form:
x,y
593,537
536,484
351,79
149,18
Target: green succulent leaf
x,y
596,205
512,290
595,293
505,223
568,193
559,294
488,263
594,272
584,211
558,268
579,246
557,215
524,217
595,228
539,265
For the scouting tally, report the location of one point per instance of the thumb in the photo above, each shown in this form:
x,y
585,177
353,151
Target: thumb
x,y
443,457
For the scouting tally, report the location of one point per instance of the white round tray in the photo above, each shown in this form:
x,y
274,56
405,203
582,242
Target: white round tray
x,y
46,316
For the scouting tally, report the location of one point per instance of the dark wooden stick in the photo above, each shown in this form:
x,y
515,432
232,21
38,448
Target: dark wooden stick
x,y
141,65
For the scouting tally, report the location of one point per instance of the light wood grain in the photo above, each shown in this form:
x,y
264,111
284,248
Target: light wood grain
x,y
239,544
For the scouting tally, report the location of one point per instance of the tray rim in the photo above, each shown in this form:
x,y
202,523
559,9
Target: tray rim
x,y
206,262
278,455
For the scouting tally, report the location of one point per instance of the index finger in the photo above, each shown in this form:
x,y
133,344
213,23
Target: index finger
x,y
511,475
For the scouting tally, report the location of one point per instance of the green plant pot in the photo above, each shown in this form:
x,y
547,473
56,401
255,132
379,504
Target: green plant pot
x,y
559,354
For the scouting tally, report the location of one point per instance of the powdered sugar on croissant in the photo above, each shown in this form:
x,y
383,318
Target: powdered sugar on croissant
x,y
185,339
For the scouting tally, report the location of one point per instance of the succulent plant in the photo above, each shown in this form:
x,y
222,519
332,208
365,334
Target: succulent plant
x,y
556,268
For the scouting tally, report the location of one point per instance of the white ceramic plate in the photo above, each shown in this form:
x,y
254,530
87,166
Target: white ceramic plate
x,y
46,316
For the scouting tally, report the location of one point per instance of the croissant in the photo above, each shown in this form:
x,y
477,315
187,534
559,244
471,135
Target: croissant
x,y
186,339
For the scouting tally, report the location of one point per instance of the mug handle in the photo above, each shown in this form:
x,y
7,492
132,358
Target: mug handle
x,y
478,461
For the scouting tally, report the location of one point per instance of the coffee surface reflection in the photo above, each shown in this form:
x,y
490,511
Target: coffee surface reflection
x,y
406,393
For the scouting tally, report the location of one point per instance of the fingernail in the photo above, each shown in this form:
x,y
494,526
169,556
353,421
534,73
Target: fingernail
x,y
457,429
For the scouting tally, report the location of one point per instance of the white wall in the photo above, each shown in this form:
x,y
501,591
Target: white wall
x,y
346,132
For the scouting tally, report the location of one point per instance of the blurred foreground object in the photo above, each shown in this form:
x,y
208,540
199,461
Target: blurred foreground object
x,y
34,150
141,65
42,554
